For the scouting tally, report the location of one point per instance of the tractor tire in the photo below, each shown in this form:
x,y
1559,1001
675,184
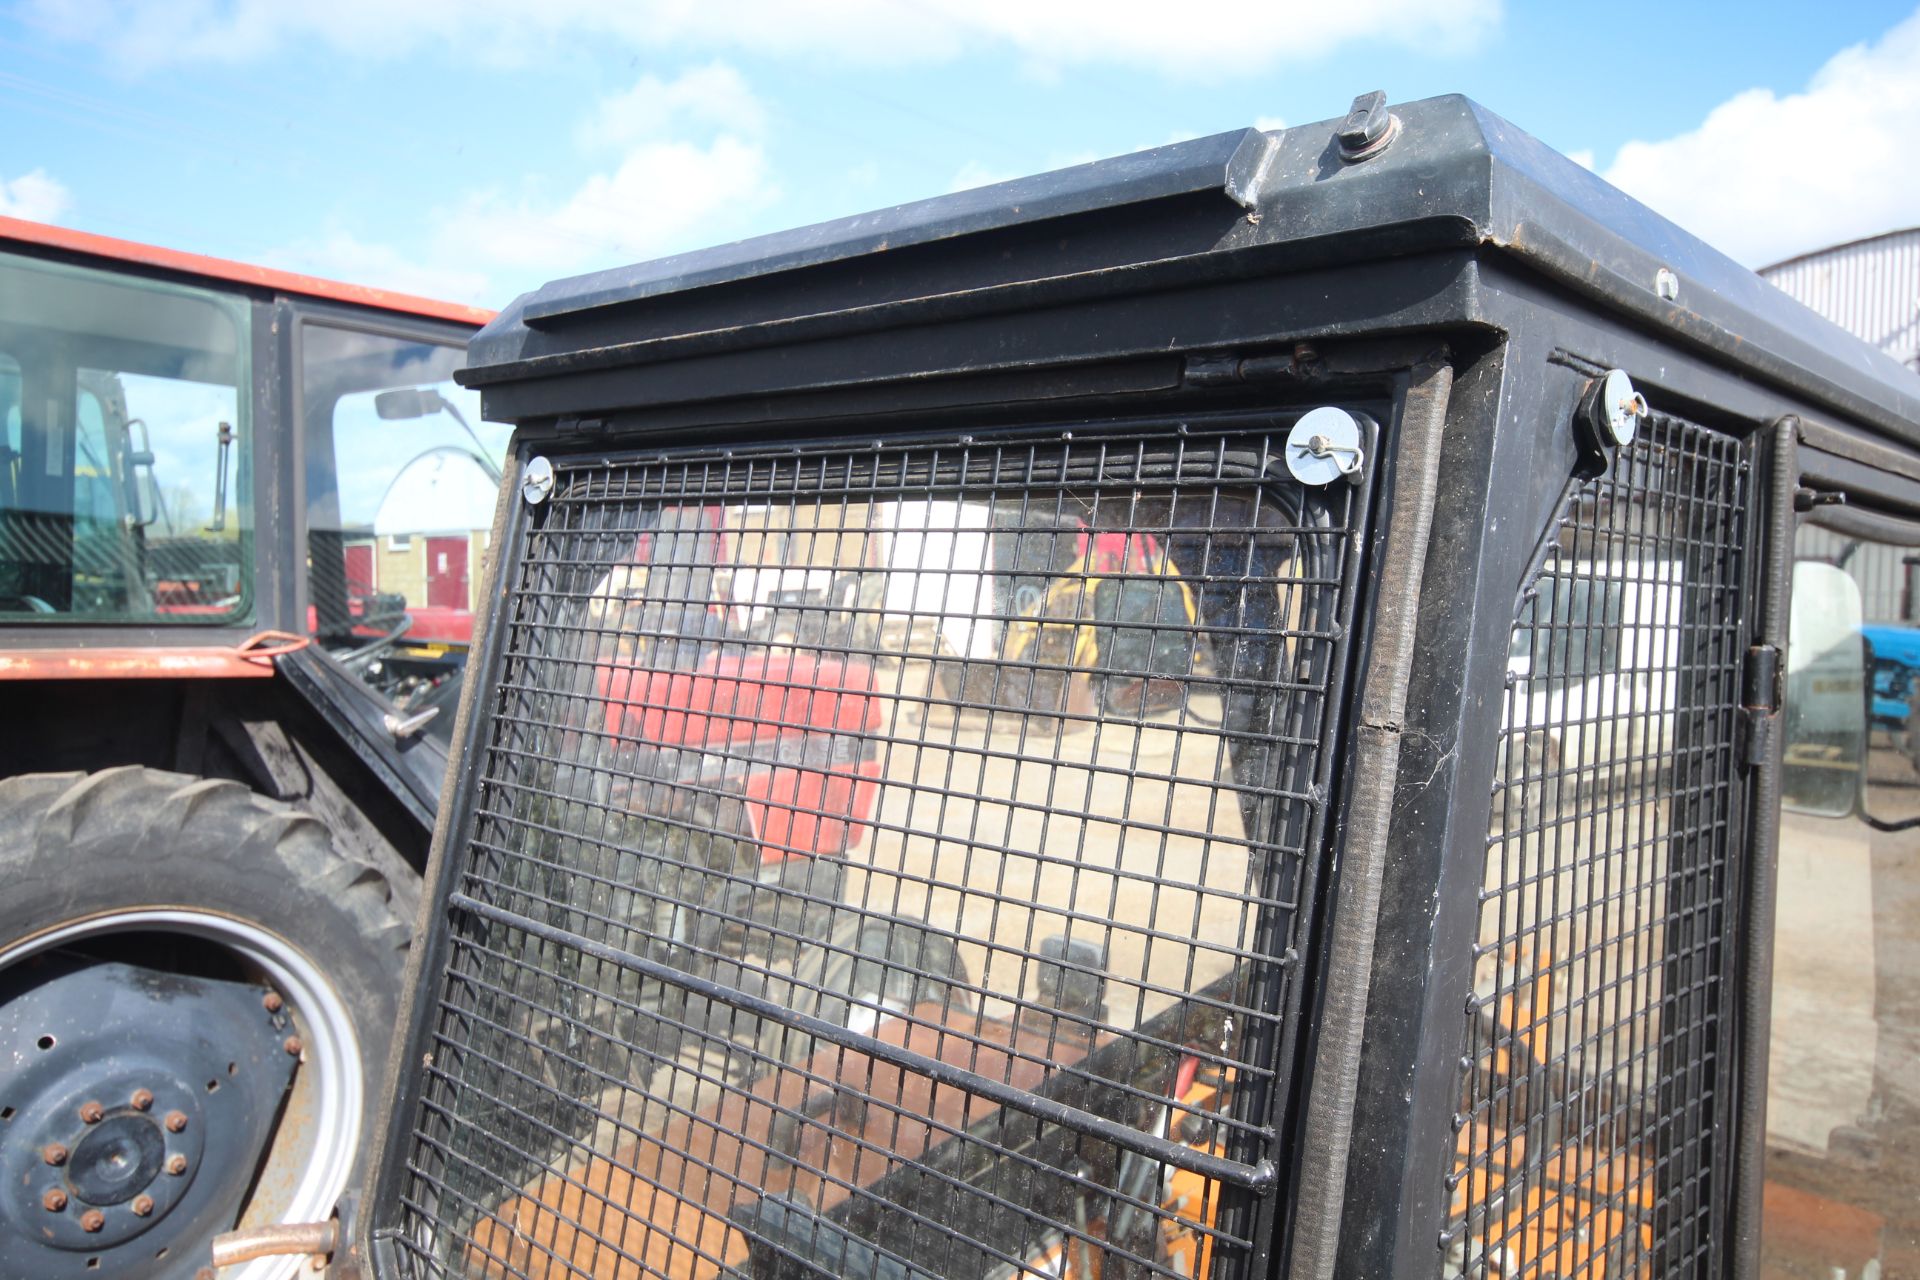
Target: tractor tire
x,y
174,879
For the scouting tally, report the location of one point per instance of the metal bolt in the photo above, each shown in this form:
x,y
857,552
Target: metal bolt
x,y
1614,410
142,1099
272,1001
176,1121
92,1112
176,1165
1326,434
92,1220
55,1201
536,482
1368,129
1322,447
142,1206
54,1153
1666,284
292,1045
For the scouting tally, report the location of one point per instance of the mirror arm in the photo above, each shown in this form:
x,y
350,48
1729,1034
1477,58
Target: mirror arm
x,y
480,449
224,448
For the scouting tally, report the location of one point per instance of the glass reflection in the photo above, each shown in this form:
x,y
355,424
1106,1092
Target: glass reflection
x,y
1842,1195
1015,787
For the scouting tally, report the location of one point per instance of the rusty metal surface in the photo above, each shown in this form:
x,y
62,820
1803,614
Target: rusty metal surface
x,y
138,1104
236,1247
252,658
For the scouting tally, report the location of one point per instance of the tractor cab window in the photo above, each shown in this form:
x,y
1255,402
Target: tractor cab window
x,y
1572,626
1842,1192
401,480
982,762
122,465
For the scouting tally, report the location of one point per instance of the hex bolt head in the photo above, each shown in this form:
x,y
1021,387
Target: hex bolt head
x,y
142,1206
55,1201
92,1112
92,1220
142,1099
272,1001
292,1045
54,1153
176,1121
176,1165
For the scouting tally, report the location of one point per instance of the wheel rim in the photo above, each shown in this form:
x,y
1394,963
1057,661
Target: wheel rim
x,y
327,1096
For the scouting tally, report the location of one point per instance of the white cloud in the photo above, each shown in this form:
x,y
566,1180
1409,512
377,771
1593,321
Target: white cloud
x,y
974,174
691,168
340,255
687,168
34,196
662,196
715,95
1268,124
1765,177
1139,33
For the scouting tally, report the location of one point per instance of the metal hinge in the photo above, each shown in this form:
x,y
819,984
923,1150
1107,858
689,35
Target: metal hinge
x,y
1760,680
1760,702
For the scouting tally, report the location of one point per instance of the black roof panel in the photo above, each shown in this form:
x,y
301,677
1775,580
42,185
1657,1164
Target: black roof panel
x,y
1456,174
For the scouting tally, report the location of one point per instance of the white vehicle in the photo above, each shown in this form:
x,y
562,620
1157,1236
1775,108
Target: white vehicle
x,y
1609,631
938,559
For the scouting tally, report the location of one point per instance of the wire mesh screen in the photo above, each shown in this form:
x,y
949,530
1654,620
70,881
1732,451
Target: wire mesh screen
x,y
1591,1129
886,862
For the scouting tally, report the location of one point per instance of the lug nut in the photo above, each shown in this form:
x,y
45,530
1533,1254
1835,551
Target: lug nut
x,y
176,1121
292,1045
142,1206
176,1165
92,1220
55,1201
142,1099
54,1153
272,1001
92,1112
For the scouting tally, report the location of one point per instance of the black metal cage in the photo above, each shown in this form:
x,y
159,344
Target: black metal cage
x,y
1594,1131
888,860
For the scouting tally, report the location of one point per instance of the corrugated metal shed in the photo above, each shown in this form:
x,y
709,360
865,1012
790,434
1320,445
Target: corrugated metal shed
x,y
1870,288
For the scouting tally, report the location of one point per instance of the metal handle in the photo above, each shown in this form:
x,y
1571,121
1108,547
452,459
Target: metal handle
x,y
232,1248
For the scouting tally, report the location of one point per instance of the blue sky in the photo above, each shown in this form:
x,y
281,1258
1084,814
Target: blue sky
x,y
474,148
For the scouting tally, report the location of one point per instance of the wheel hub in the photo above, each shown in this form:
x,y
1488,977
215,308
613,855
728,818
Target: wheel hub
x,y
134,1108
118,1160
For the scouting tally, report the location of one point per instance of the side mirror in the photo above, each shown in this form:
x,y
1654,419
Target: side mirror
x,y
1823,767
407,402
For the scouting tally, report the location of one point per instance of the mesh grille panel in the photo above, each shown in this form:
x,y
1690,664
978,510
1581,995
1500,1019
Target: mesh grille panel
x,y
1595,1092
886,862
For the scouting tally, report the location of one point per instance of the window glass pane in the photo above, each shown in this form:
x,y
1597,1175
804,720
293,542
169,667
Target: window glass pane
x,y
1001,759
123,491
402,476
1843,1100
